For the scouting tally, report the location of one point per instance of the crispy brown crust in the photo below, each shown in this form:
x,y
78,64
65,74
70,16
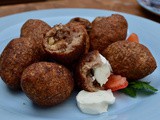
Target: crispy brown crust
x,y
68,42
17,55
47,84
106,30
82,21
130,59
87,44
87,24
83,71
35,29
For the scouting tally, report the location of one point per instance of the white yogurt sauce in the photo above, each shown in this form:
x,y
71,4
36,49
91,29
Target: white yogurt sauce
x,y
102,72
94,102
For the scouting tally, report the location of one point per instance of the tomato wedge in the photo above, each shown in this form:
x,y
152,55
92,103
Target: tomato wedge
x,y
133,38
116,82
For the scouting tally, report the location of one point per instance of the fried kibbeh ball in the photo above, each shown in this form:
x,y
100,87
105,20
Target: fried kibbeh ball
x,y
82,21
107,30
47,84
130,59
85,72
17,55
87,24
35,29
66,43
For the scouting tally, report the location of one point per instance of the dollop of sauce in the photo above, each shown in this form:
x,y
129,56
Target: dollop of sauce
x,y
102,72
94,102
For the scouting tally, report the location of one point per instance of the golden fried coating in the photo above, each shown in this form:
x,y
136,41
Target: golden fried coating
x,y
82,21
47,84
106,30
87,24
66,43
84,75
17,55
130,59
35,29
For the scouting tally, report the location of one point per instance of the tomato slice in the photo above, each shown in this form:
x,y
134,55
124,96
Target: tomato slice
x,y
116,82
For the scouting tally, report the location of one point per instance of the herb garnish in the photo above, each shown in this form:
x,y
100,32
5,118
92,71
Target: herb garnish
x,y
139,86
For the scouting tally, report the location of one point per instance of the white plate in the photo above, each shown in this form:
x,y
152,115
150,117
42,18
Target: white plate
x,y
14,106
146,5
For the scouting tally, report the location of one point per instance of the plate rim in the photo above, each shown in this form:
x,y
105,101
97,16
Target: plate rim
x,y
148,8
69,9
24,13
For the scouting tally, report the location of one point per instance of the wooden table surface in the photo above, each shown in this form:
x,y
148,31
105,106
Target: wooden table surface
x,y
126,6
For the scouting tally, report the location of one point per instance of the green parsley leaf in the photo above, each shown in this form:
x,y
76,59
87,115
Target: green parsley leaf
x,y
143,86
129,91
139,86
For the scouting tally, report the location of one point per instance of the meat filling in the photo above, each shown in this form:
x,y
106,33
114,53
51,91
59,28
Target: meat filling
x,y
93,71
88,72
62,38
87,81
